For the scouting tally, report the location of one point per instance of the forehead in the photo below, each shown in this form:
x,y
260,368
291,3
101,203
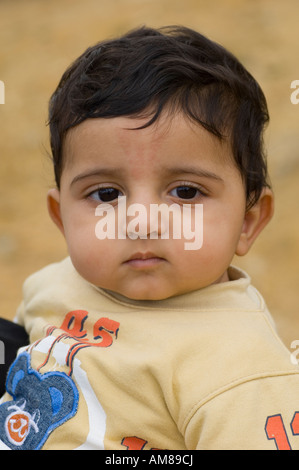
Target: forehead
x,y
122,143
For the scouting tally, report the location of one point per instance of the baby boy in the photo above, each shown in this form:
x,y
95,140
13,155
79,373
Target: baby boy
x,y
141,339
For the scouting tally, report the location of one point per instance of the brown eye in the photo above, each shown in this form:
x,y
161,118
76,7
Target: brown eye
x,y
105,194
185,192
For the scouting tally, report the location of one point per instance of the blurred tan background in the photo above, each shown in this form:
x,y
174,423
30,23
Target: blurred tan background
x,y
38,40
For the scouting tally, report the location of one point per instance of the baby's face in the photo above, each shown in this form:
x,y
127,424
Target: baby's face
x,y
170,162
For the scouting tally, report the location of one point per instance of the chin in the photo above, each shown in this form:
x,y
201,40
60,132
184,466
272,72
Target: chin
x,y
152,295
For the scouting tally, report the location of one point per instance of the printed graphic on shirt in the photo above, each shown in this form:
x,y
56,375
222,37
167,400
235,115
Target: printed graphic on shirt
x,y
44,400
276,430
40,404
135,443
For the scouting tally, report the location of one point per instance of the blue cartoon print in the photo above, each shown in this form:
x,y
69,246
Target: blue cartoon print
x,y
40,403
47,396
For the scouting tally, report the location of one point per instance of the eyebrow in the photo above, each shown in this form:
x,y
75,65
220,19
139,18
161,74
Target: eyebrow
x,y
193,170
96,172
166,171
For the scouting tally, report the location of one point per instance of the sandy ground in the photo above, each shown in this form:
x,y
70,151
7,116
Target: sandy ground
x,y
39,39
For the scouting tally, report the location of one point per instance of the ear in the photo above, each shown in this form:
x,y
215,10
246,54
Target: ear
x,y
255,221
53,200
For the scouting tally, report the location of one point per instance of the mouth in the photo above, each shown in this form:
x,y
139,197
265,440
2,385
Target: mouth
x,y
144,260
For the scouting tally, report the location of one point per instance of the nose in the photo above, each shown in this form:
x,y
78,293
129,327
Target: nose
x,y
142,219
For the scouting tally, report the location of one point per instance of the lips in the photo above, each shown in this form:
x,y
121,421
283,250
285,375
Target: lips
x,y
143,256
144,260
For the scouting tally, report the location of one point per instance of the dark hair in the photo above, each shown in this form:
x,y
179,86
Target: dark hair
x,y
147,70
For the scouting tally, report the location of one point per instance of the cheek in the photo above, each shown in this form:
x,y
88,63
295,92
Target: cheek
x,y
79,225
82,243
222,231
79,239
93,259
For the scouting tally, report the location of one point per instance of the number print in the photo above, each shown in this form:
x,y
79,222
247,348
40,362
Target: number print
x,y
133,443
275,429
295,424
